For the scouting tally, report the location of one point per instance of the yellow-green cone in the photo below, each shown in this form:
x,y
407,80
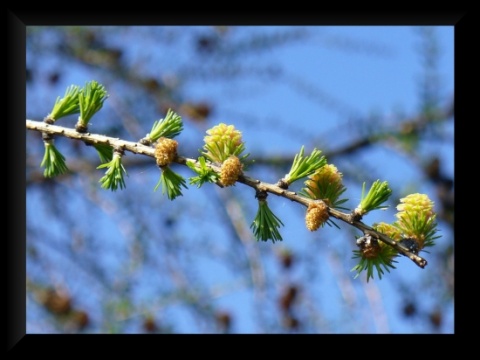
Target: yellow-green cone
x,y
325,184
391,231
418,203
416,218
221,142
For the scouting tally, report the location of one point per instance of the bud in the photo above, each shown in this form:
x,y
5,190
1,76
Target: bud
x,y
165,151
325,184
221,142
371,250
316,216
415,203
57,302
231,169
223,133
416,219
391,231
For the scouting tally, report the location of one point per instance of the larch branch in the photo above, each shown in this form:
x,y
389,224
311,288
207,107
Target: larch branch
x,y
137,148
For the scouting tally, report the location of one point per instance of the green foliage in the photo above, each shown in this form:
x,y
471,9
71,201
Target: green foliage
x,y
205,173
67,105
91,99
370,265
171,183
105,152
265,225
420,226
305,165
373,255
113,178
377,195
53,161
168,127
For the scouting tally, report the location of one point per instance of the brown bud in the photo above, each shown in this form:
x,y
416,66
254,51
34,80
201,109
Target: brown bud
x,y
81,319
149,324
57,302
286,259
316,216
436,319
230,170
371,250
409,309
291,322
224,320
197,112
165,151
288,297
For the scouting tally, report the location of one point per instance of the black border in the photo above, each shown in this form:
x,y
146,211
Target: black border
x,y
16,245
465,141
274,17
16,35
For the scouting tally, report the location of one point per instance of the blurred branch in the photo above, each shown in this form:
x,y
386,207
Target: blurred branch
x,y
237,223
413,125
258,185
377,310
234,214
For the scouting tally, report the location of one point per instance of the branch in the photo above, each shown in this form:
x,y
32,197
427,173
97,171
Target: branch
x,y
137,148
414,125
91,139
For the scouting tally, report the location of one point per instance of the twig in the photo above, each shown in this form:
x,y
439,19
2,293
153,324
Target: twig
x,y
258,185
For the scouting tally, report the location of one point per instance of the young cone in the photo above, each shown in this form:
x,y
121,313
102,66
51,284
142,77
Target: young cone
x,y
325,184
165,151
316,216
231,169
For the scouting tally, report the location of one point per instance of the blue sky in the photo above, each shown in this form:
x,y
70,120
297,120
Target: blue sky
x,y
316,89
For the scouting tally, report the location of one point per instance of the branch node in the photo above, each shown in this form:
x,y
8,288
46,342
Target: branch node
x,y
81,128
282,184
47,137
261,195
120,150
355,216
146,141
